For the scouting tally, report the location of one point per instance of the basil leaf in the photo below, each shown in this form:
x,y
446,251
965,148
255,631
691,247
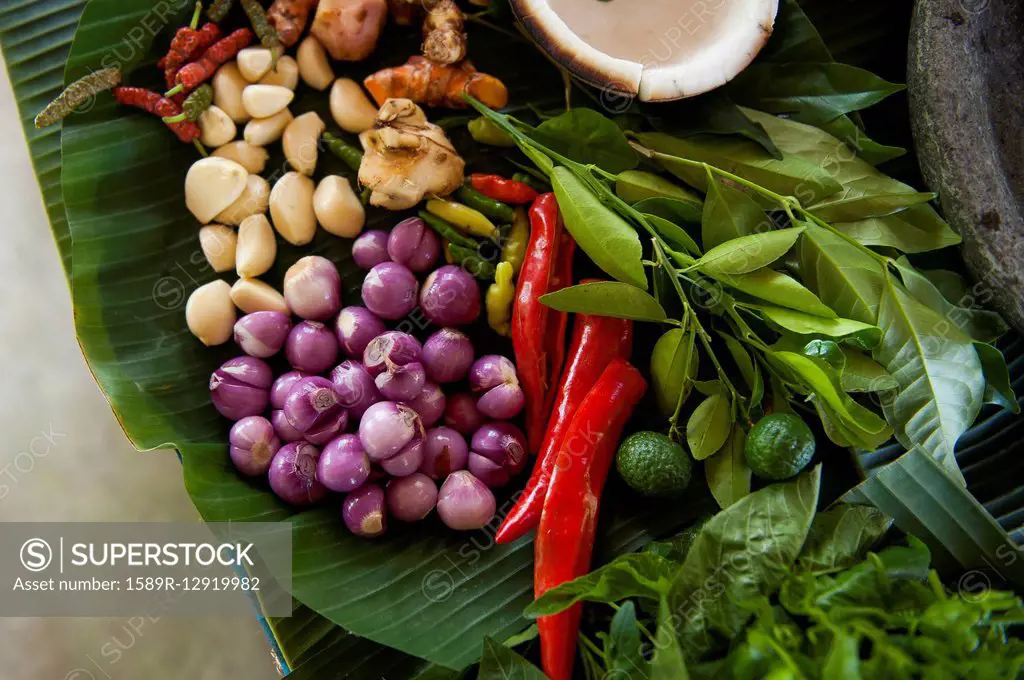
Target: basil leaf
x,y
498,662
623,652
814,90
728,214
644,575
845,278
980,324
587,137
606,298
675,235
861,373
865,336
998,389
941,386
633,186
747,253
603,235
840,537
783,290
742,553
790,176
668,662
727,472
709,426
673,368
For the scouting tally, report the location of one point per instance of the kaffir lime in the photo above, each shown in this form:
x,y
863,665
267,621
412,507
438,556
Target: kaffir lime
x,y
654,465
779,446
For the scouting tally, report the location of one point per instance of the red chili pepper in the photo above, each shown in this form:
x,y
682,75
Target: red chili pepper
x,y
187,49
224,50
530,317
558,322
158,105
596,340
502,189
565,539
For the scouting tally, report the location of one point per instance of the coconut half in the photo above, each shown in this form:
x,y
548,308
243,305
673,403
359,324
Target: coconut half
x,y
657,50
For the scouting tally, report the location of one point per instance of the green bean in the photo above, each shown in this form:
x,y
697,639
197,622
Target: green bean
x,y
447,231
496,210
473,263
352,156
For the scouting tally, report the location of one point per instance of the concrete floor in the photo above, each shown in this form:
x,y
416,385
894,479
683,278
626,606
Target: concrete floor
x,y
89,472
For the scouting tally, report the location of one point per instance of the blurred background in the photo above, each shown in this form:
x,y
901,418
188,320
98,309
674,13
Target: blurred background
x,y
63,457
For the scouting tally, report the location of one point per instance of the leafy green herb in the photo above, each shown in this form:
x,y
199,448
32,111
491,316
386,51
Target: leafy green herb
x,y
840,537
607,298
747,253
623,652
668,662
861,373
498,662
748,369
997,377
728,214
727,472
633,186
709,426
604,236
674,235
846,279
587,137
865,336
671,209
779,288
674,364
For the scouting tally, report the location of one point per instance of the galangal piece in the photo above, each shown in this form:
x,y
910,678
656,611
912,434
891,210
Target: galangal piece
x,y
426,82
444,33
349,29
290,17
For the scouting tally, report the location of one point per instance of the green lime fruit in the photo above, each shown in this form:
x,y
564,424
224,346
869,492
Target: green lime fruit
x,y
654,465
779,446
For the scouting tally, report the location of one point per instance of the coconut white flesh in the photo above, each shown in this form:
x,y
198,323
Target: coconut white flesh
x,y
669,49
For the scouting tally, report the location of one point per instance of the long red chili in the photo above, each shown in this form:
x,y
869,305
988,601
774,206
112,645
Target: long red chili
x,y
596,340
502,189
158,105
565,539
558,322
188,48
224,50
530,317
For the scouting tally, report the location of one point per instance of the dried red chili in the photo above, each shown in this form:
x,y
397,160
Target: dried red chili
x,y
565,538
224,50
158,105
502,189
596,340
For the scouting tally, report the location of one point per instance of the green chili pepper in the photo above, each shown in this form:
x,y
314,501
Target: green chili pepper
x,y
78,93
447,231
518,237
352,156
496,210
472,262
484,131
219,10
197,102
265,30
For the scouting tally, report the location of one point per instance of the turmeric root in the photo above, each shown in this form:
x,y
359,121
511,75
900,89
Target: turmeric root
x,y
290,17
406,157
425,82
444,33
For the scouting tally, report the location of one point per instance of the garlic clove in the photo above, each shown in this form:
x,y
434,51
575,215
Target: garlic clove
x,y
252,158
314,68
218,243
338,210
301,142
254,200
351,109
263,101
228,84
285,74
211,185
253,295
254,63
264,131
210,313
217,127
257,247
291,208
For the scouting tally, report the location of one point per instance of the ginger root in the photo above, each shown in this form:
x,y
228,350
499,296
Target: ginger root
x,y
349,29
444,33
407,157
425,82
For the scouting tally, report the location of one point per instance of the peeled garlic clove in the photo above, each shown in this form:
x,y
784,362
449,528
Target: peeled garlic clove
x,y
338,210
218,243
314,68
228,84
257,247
351,108
255,199
263,101
291,208
285,74
263,131
216,127
254,63
252,295
213,184
252,158
301,142
210,313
